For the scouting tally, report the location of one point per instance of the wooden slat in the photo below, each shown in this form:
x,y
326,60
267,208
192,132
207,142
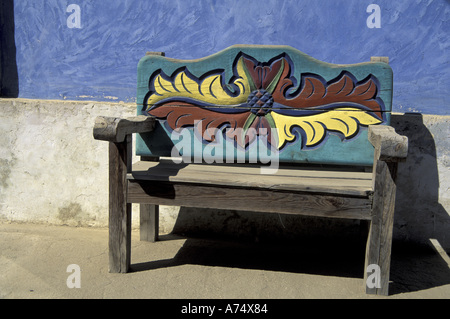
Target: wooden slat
x,y
285,170
302,180
261,200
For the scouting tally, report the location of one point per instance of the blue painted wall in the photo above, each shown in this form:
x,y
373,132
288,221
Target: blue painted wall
x,y
98,61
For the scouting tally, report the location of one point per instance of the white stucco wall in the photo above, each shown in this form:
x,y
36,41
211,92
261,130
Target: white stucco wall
x,y
52,169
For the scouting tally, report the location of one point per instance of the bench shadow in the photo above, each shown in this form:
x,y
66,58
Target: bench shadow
x,y
418,214
310,256
413,267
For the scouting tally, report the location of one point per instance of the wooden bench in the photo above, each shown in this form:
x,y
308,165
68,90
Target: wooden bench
x,y
257,128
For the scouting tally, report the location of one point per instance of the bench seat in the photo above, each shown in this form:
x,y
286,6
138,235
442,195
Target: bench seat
x,y
292,190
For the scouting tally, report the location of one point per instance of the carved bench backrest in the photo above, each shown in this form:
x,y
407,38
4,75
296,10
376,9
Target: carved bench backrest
x,y
252,102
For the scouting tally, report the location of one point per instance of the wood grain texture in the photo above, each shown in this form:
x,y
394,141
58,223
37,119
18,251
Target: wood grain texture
x,y
114,129
260,200
149,222
119,209
343,182
389,146
379,242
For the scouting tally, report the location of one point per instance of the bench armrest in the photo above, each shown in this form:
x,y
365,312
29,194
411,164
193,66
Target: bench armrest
x,y
115,129
389,146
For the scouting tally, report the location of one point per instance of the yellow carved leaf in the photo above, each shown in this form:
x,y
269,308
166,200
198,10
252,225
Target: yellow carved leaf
x,y
210,90
343,120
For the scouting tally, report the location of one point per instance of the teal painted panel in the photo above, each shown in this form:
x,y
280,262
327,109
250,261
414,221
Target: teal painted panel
x,y
261,102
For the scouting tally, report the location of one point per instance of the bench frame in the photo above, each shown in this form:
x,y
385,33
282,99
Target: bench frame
x,y
124,189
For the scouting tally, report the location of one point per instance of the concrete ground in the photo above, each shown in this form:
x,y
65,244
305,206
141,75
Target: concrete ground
x,y
34,261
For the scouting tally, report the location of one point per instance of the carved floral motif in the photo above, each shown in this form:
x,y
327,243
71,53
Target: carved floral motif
x,y
264,95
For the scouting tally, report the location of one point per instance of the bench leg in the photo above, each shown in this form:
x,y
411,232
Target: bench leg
x,y
149,222
378,252
119,210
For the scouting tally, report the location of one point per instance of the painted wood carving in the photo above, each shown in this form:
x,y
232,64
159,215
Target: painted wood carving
x,y
297,113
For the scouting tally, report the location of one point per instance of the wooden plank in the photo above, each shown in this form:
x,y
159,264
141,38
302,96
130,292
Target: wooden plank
x,y
319,181
284,170
178,170
262,200
119,209
149,222
379,242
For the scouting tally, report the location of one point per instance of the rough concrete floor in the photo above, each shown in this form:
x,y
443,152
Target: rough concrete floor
x,y
34,261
